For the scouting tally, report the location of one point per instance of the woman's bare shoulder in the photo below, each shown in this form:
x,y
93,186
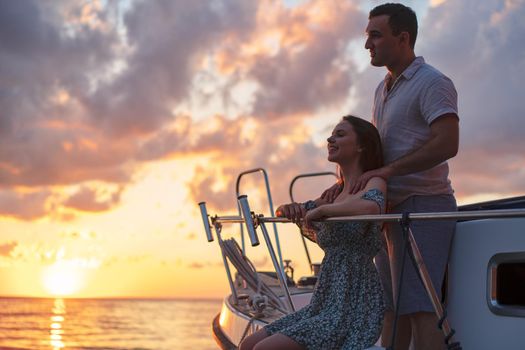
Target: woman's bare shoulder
x,y
377,183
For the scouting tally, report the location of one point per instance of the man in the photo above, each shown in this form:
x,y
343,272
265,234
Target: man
x,y
415,111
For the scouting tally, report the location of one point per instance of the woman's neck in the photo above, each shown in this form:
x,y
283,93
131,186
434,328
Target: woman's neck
x,y
351,173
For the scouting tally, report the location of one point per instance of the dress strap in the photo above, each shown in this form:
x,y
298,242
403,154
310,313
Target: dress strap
x,y
377,196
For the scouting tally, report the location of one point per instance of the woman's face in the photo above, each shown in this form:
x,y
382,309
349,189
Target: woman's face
x,y
343,145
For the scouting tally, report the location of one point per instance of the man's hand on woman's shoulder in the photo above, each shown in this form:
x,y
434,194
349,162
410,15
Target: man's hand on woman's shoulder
x,y
383,173
330,194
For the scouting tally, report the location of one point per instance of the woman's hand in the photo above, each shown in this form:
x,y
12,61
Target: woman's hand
x,y
293,211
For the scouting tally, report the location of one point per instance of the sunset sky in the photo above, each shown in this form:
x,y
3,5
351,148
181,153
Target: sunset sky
x,y
118,117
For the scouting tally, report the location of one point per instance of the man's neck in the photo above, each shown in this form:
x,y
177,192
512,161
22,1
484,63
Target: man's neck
x,y
399,67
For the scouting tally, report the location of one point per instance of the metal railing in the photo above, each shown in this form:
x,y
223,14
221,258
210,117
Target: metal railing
x,y
294,180
270,203
453,215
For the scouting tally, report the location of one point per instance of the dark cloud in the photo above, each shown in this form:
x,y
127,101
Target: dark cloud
x,y
78,99
167,40
47,71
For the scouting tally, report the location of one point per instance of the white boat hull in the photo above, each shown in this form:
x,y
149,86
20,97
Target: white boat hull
x,y
477,325
470,314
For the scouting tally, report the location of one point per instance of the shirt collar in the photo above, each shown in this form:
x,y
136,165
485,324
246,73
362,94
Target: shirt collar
x,y
409,71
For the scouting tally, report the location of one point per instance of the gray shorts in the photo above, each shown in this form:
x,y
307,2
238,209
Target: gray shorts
x,y
433,239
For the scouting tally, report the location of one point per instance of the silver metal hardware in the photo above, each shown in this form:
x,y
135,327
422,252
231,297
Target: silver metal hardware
x,y
205,221
248,219
270,203
280,273
293,200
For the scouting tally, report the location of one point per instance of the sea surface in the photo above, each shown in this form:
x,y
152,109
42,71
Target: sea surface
x,y
111,324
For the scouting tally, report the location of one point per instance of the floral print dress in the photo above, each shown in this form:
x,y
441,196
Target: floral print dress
x,y
346,310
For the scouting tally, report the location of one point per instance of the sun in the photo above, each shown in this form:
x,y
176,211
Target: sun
x,y
62,278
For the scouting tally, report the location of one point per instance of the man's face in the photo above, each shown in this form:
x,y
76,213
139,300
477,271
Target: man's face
x,y
384,47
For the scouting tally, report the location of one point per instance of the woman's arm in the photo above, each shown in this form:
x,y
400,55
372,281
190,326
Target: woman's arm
x,y
297,211
354,205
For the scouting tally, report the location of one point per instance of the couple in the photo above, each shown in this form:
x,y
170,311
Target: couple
x,y
415,111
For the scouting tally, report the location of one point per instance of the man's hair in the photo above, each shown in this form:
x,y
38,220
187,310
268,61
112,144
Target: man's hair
x,y
401,19
370,142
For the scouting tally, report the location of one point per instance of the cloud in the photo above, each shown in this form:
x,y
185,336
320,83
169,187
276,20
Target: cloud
x,y
483,59
166,39
48,67
99,97
296,57
24,206
88,199
248,143
83,88
7,248
92,91
206,264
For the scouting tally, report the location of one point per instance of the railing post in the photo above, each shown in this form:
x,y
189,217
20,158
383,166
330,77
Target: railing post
x,y
206,221
248,220
290,189
218,229
280,273
270,202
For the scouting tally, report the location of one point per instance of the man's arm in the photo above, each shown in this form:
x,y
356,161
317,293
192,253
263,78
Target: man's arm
x,y
442,145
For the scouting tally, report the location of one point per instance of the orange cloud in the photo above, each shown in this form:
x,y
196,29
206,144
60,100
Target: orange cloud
x,y
24,206
7,248
92,200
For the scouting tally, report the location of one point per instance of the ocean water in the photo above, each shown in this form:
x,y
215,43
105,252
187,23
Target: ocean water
x,y
56,324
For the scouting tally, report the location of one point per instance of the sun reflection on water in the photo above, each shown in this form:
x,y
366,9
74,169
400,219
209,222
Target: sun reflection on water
x,y
56,331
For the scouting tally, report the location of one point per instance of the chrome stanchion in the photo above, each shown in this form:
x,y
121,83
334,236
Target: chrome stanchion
x,y
218,229
280,273
206,221
248,219
251,226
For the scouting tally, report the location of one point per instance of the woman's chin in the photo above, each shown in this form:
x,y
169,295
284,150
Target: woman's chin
x,y
331,158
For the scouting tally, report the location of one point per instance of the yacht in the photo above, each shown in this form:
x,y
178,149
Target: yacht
x,y
483,304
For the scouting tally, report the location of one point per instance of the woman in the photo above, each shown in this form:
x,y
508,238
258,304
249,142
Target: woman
x,y
346,309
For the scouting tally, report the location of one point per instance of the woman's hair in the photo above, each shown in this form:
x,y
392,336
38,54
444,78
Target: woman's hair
x,y
369,141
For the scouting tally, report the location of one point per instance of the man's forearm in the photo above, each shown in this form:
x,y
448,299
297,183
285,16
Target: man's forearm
x,y
442,146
